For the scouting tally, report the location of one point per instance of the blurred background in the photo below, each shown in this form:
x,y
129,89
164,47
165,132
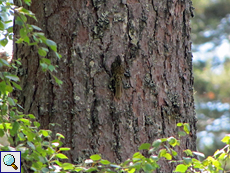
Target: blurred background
x,y
211,70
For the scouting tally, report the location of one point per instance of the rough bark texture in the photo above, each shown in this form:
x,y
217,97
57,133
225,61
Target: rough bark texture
x,y
152,37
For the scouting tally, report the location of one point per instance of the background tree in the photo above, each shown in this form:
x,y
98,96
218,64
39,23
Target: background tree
x,y
153,41
210,29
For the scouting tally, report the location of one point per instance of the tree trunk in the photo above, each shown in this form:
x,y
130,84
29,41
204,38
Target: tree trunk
x,y
153,41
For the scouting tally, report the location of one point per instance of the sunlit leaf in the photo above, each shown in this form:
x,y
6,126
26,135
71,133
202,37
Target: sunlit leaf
x,y
144,146
226,139
64,149
60,135
186,128
181,168
61,156
95,157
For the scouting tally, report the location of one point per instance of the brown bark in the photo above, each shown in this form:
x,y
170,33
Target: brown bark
x,y
153,40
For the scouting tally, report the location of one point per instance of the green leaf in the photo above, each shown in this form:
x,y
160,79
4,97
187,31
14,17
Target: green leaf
x,y
156,143
11,101
42,52
4,42
51,68
44,66
179,124
181,168
163,139
9,88
5,126
61,156
67,166
4,62
226,139
95,157
45,60
23,32
12,77
132,170
78,169
64,149
58,55
172,141
105,162
51,44
28,2
187,160
31,145
27,39
26,121
16,85
186,128
154,157
36,27
91,170
148,167
15,128
223,156
144,146
217,164
31,116
37,124
181,133
174,153
21,136
115,166
2,133
163,153
60,135
188,152
138,155
59,82
44,132
167,156
58,162
10,29
2,27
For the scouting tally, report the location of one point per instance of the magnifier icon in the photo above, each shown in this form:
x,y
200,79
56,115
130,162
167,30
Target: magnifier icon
x,y
9,160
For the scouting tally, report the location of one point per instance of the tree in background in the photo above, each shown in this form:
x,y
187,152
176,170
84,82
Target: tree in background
x,y
210,29
152,40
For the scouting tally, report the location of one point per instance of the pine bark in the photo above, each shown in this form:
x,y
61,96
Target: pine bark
x,y
153,40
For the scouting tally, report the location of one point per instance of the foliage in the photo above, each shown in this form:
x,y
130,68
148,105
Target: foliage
x,y
42,154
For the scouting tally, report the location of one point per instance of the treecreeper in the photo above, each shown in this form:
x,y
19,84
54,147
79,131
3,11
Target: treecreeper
x,y
117,70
